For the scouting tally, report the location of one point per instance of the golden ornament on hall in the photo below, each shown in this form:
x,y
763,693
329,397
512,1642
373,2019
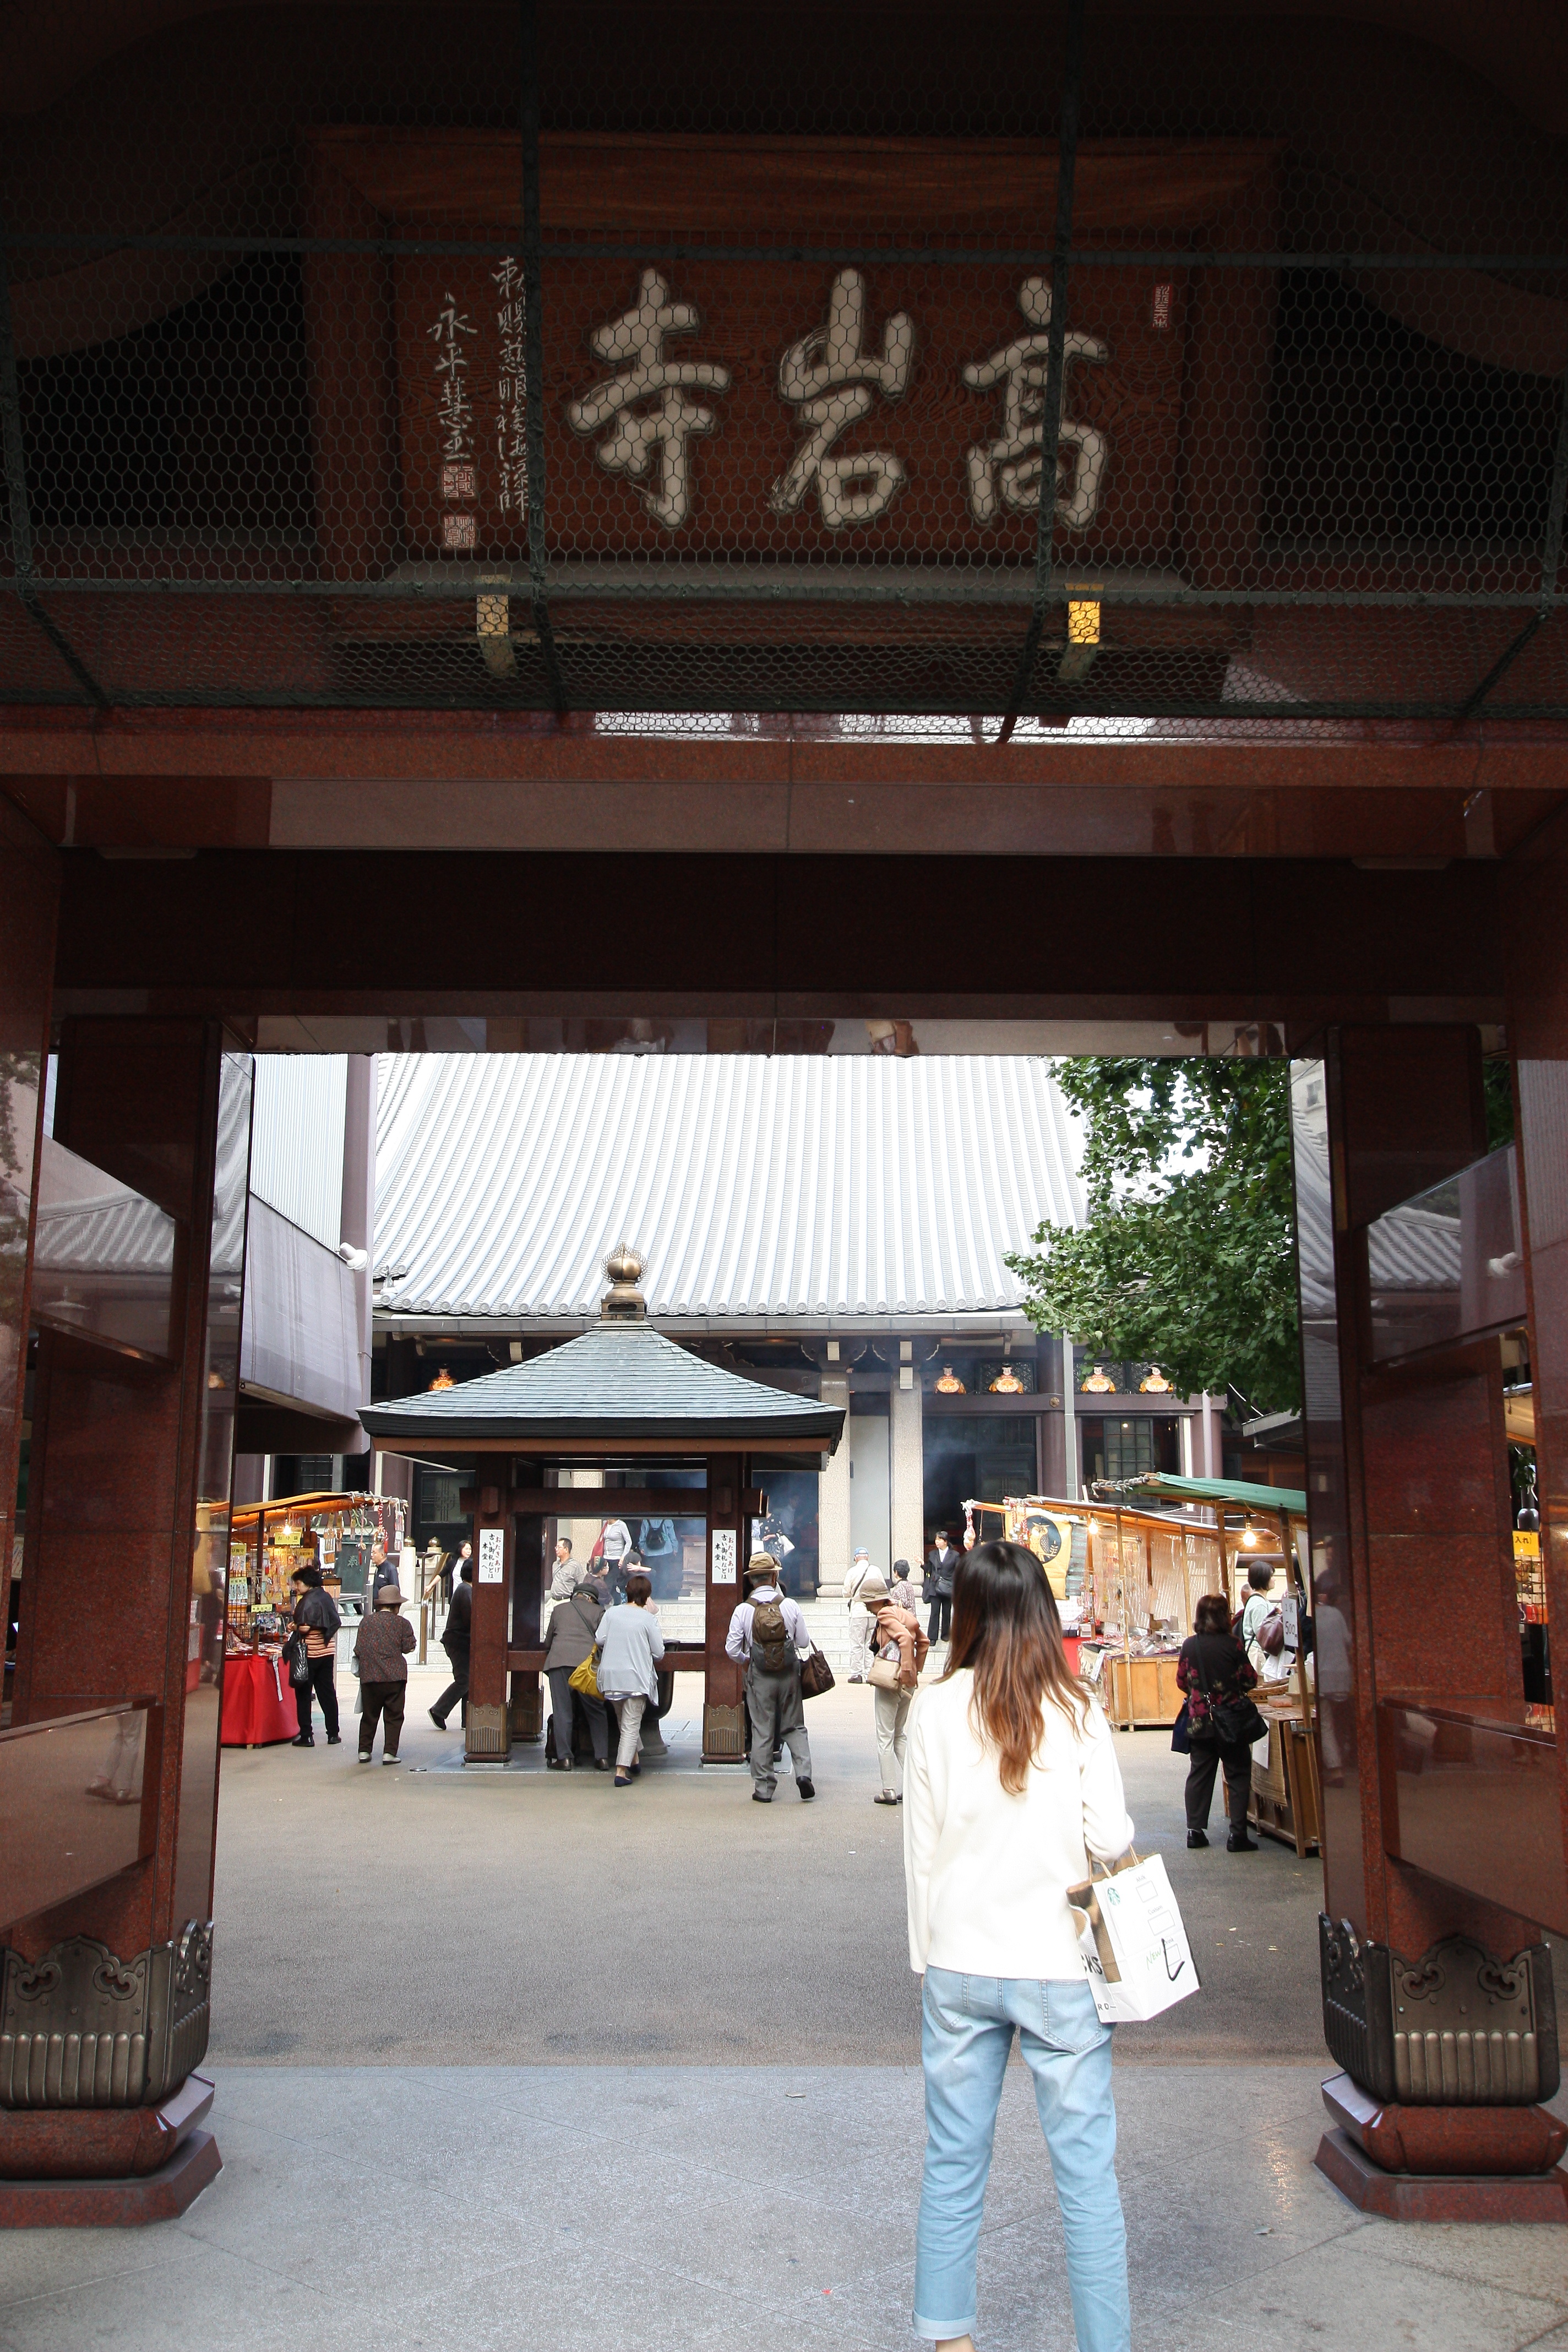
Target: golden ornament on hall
x,y
949,1385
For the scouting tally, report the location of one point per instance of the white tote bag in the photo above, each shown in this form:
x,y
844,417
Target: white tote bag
x,y
1135,1947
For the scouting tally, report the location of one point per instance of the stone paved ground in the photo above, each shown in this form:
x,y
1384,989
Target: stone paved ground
x,y
430,1916
514,2060
747,2209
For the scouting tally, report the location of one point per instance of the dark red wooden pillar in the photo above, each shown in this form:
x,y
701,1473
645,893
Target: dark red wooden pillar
x,y
29,904
488,1732
723,1708
123,1599
1413,1584
1538,1045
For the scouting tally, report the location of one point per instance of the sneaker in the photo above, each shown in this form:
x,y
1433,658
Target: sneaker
x,y
759,1798
303,1740
389,1759
807,1788
886,1798
1239,1844
1196,1837
334,1740
365,1757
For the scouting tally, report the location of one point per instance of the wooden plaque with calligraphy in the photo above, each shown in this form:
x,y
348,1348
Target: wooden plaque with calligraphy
x,y
800,433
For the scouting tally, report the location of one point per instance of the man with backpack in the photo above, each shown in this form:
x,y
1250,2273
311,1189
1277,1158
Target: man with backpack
x,y
766,1635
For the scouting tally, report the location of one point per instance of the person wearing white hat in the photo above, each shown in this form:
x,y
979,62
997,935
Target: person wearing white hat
x,y
861,1619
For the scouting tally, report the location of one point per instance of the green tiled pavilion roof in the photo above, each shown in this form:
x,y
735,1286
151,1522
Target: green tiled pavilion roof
x,y
620,1380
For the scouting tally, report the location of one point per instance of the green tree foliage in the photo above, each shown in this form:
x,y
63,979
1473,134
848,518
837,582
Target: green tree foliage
x,y
1188,1259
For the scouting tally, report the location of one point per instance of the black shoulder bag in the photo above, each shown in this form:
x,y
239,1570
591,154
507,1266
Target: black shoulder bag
x,y
1234,1722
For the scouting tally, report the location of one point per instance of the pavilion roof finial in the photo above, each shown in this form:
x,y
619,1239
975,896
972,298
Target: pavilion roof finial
x,y
623,1302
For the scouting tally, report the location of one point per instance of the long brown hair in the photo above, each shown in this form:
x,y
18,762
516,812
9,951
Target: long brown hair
x,y
1006,1627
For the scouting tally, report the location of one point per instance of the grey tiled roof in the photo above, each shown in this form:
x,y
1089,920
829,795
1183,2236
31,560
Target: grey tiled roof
x,y
785,1192
619,1380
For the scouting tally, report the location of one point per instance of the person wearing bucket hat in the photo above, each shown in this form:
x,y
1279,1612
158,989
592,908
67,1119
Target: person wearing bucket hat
x,y
861,1568
767,1633
381,1653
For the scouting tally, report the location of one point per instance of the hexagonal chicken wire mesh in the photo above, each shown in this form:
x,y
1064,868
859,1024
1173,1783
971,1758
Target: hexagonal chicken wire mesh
x,y
700,360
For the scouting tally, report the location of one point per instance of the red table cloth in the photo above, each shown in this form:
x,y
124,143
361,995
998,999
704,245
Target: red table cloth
x,y
253,1714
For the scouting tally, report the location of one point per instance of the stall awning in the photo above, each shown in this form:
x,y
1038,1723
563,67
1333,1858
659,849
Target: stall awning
x,y
1238,1492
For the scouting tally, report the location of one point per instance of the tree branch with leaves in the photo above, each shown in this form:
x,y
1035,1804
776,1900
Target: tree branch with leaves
x,y
1188,1256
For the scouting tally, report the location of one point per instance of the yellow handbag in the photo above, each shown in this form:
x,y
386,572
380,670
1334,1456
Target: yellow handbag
x,y
584,1678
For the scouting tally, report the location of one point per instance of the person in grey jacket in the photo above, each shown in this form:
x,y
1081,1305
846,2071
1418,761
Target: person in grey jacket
x,y
631,1646
573,1632
773,1677
381,1653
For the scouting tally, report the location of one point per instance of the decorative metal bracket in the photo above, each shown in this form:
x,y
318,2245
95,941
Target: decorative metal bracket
x,y
81,2028
1456,2028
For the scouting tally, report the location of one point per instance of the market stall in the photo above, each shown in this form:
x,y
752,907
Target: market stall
x,y
268,1543
1269,1524
1128,1582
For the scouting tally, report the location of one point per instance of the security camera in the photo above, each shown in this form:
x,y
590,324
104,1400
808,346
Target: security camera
x,y
353,1258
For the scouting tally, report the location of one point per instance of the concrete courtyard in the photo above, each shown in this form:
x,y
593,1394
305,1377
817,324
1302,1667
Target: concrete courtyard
x,y
513,2059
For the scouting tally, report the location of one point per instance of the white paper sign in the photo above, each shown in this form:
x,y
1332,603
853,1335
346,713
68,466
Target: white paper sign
x,y
725,1555
492,1555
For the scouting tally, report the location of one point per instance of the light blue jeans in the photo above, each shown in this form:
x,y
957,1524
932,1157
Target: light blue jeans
x,y
965,2042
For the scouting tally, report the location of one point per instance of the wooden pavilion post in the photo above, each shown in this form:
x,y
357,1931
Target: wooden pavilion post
x,y
723,1705
487,1737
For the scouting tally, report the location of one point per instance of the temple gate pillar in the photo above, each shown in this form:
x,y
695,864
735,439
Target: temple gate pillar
x,y
1416,1634
29,904
107,1979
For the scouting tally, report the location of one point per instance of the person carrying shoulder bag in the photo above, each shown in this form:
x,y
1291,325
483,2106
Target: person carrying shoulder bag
x,y
898,1652
1222,1721
572,1633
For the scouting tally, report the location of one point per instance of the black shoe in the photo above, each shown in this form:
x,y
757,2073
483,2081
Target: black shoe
x,y
1196,1837
1239,1842
635,1769
808,1788
758,1798
303,1739
601,1763
334,1740
556,1764
438,1720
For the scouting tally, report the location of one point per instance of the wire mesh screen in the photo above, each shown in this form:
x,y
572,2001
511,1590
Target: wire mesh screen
x,y
1038,362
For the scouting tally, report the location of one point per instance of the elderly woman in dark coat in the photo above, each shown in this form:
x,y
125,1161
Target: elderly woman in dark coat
x,y
1213,1670
381,1651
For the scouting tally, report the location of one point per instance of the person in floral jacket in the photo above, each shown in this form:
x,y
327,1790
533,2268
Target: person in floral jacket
x,y
897,1653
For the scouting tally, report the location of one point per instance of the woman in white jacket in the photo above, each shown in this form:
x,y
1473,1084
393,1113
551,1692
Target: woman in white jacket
x,y
1011,1786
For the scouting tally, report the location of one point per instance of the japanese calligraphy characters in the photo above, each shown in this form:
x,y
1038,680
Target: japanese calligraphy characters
x,y
647,399
459,486
512,412
1007,471
831,381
